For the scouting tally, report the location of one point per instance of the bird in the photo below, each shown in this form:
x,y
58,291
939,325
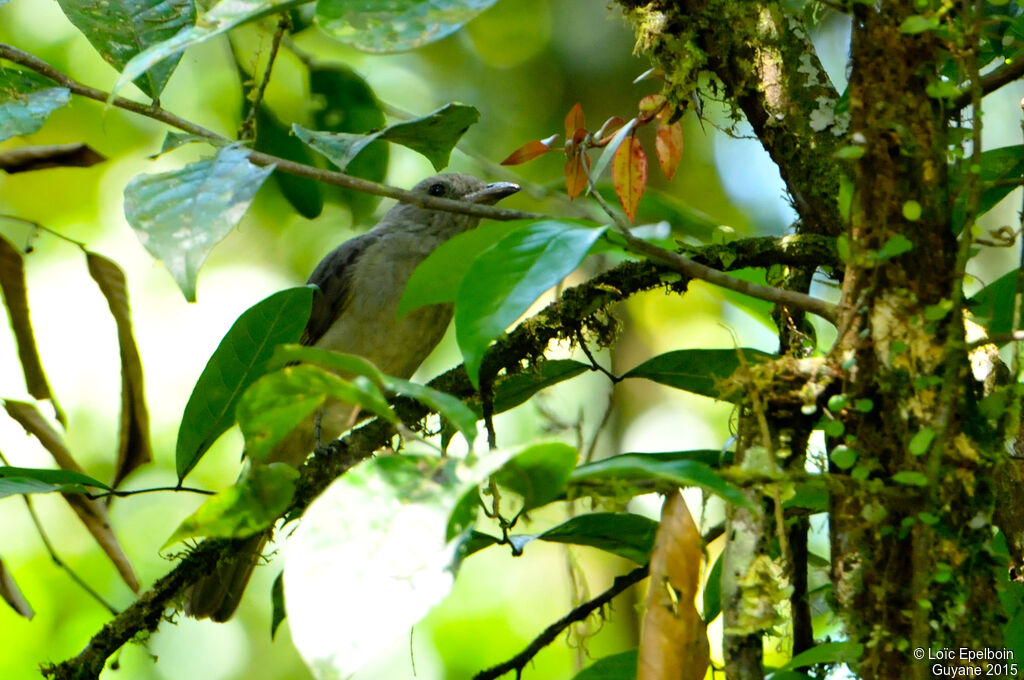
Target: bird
x,y
358,287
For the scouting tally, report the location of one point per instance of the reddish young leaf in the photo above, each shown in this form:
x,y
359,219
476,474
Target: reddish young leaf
x,y
574,121
608,130
575,174
650,105
629,174
668,143
527,152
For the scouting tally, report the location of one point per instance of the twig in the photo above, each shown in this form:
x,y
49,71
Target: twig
x,y
684,265
135,492
246,131
61,564
551,633
594,366
991,81
337,178
667,258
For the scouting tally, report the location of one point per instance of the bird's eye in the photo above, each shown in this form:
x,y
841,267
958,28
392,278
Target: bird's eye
x,y
437,189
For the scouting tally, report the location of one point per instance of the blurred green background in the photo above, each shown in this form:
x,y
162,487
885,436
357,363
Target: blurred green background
x,y
523,64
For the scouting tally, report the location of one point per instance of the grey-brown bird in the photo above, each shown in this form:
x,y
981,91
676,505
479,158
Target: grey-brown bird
x,y
355,310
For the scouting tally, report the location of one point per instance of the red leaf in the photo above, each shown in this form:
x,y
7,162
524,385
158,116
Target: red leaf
x,y
527,152
668,143
575,175
629,174
574,121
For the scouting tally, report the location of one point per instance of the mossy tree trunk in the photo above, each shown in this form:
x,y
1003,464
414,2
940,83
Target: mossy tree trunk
x,y
911,514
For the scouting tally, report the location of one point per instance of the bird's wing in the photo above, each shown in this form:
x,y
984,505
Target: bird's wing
x,y
333,277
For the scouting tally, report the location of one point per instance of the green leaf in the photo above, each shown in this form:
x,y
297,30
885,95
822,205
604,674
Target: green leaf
x,y
539,473
220,18
274,138
121,29
910,478
350,105
436,280
713,592
993,305
620,533
278,402
277,601
895,245
997,166
448,406
844,457
507,278
433,136
375,540
243,509
702,371
826,652
180,216
621,666
397,25
651,468
921,441
917,23
237,363
19,480
516,389
26,100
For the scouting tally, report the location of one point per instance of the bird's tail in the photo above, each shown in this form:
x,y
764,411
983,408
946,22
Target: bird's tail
x,y
216,595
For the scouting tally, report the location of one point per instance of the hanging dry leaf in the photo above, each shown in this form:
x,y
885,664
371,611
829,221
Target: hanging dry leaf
x,y
668,143
12,283
673,640
574,121
527,152
629,174
92,512
133,445
27,158
12,595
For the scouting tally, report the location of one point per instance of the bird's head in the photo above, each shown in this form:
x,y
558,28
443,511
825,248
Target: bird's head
x,y
441,224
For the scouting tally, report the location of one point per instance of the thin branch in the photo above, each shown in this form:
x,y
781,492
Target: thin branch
x,y
246,130
337,178
669,259
991,81
551,633
685,265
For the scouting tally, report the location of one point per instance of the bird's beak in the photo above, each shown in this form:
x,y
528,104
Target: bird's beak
x,y
492,193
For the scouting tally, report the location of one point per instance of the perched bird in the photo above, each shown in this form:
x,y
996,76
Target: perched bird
x,y
355,310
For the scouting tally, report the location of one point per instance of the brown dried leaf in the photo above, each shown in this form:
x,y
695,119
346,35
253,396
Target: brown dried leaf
x,y
92,512
629,174
574,121
27,158
673,640
527,152
668,143
12,284
12,595
133,445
